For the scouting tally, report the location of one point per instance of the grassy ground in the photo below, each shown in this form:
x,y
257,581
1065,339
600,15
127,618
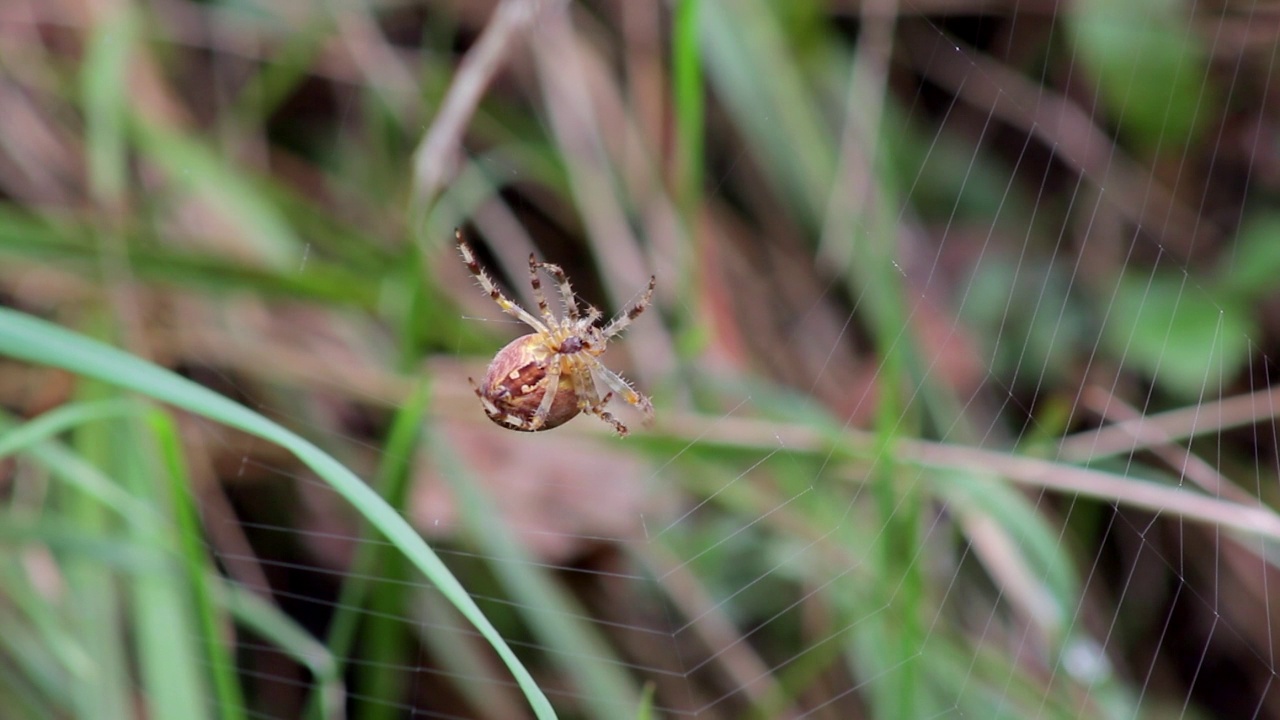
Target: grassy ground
x,y
960,352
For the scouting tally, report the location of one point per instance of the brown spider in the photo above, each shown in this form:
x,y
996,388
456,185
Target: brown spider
x,y
543,379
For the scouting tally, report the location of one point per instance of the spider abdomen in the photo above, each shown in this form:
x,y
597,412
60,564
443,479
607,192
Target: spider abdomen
x,y
516,384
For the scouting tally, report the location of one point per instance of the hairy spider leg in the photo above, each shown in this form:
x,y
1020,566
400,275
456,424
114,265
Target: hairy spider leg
x,y
487,284
492,410
535,282
631,312
549,394
566,290
592,402
624,390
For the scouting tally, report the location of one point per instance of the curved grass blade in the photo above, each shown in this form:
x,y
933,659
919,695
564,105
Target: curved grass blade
x,y
27,338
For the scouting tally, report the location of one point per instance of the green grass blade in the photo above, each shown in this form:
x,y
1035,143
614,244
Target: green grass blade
x,y
553,616
57,421
105,72
183,511
267,620
42,652
96,599
382,648
73,470
26,338
689,105
168,673
199,169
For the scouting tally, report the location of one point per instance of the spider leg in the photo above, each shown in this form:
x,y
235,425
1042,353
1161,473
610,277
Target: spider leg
x,y
487,284
624,390
548,396
536,283
589,398
492,410
566,290
631,312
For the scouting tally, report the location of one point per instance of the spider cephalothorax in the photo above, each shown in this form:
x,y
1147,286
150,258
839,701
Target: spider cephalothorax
x,y
543,379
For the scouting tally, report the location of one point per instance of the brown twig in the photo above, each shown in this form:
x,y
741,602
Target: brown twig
x,y
438,157
575,91
1144,432
1182,461
1255,518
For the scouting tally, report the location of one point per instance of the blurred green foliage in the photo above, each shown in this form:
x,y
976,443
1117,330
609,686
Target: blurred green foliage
x,y
1150,69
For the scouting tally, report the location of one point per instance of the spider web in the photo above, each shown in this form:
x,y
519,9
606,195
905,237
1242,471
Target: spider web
x,y
983,437
745,564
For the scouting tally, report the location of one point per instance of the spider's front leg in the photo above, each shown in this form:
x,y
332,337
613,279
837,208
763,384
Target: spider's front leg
x,y
631,312
489,286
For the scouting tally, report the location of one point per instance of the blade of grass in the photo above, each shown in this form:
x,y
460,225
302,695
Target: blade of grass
x,y
157,619
384,642
60,420
474,674
753,72
42,650
552,615
196,168
104,72
74,247
97,602
287,68
74,470
199,569
114,551
268,621
686,65
119,553
26,338
19,697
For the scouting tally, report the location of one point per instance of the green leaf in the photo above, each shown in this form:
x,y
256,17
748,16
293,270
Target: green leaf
x,y
1256,265
1149,69
1177,334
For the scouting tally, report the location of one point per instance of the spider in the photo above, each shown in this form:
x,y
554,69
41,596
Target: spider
x,y
543,379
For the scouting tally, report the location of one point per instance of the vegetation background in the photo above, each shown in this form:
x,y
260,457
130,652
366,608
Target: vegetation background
x,y
961,352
